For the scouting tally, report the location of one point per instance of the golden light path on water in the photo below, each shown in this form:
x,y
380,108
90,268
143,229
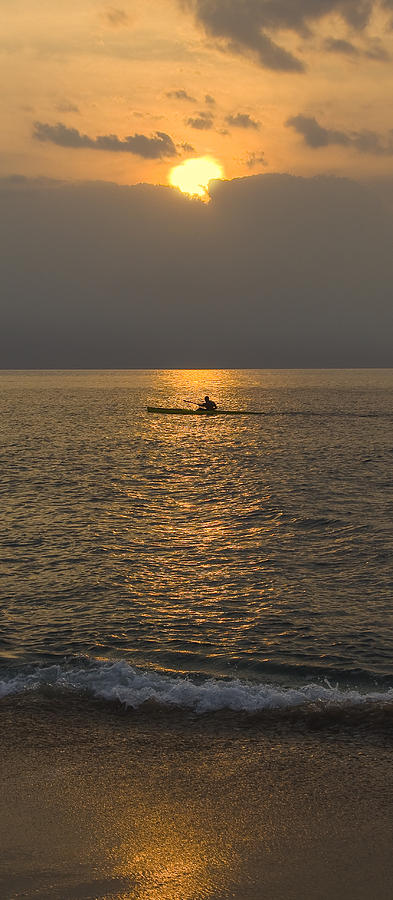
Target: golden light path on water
x,y
183,612
208,546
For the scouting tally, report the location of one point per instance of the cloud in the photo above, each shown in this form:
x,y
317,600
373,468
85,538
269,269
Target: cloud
x,y
25,182
373,49
100,275
210,100
181,95
160,146
65,106
116,17
334,45
256,159
241,27
62,135
246,27
242,120
372,142
365,141
314,134
202,122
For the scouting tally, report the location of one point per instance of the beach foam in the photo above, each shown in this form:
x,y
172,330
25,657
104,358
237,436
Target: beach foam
x,y
120,682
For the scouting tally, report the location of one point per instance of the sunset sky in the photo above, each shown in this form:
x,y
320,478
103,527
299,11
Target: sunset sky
x,y
105,264
123,92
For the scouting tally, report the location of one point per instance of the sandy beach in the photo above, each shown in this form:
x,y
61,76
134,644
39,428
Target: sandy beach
x,y
97,803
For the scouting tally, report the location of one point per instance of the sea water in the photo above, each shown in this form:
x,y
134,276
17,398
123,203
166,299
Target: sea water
x,y
214,563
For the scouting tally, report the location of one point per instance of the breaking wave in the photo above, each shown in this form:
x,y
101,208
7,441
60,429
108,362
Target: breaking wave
x,y
119,682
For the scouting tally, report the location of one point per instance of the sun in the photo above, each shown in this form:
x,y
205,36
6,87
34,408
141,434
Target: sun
x,y
193,175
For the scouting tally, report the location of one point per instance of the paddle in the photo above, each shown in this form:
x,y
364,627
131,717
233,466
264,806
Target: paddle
x,y
201,405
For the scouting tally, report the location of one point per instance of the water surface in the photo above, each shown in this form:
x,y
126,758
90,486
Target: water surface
x,y
256,548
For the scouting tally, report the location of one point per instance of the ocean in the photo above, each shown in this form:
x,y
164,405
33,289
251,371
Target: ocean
x,y
213,587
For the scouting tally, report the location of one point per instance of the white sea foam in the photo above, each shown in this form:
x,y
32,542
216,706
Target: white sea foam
x,y
118,681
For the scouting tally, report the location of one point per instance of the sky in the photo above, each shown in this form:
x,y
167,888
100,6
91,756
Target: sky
x,y
300,86
291,99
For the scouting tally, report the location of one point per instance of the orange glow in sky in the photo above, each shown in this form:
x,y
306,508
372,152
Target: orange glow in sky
x,y
120,93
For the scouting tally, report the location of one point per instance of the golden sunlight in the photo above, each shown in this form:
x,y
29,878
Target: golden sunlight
x,y
193,175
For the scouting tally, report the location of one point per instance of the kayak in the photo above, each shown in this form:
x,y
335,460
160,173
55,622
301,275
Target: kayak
x,y
204,412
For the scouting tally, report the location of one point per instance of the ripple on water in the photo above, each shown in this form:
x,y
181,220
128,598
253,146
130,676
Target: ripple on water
x,y
249,546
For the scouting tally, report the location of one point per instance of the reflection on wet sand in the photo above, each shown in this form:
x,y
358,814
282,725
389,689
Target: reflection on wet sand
x,y
143,807
176,865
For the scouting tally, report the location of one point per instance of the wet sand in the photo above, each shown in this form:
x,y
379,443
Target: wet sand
x,y
101,804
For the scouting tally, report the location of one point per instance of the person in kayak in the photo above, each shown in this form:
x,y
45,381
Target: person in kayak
x,y
208,404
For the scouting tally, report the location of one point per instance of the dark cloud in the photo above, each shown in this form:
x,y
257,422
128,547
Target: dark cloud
x,y
242,120
373,49
160,146
287,271
246,27
25,182
210,100
202,122
116,17
372,142
62,135
65,106
376,50
363,141
256,159
187,148
334,45
241,26
181,95
314,134
15,179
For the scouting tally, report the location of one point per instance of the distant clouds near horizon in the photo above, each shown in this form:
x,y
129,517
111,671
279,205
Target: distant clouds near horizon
x,y
274,271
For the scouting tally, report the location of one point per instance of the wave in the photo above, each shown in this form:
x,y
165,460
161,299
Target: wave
x,y
120,683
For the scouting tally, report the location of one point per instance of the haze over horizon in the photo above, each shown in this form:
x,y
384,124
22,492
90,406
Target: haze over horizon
x,y
274,271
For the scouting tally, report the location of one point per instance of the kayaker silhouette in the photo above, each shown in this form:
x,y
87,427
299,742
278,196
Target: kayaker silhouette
x,y
208,404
